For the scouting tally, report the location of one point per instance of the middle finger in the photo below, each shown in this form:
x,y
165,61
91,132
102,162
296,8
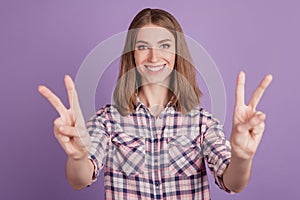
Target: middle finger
x,y
260,91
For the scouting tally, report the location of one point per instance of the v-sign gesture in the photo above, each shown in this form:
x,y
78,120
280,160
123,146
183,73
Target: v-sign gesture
x,y
69,128
248,123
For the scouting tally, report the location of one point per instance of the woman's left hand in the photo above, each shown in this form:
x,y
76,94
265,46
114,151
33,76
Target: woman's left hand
x,y
248,123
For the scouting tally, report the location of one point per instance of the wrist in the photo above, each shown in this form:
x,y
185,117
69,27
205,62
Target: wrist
x,y
243,163
79,157
241,156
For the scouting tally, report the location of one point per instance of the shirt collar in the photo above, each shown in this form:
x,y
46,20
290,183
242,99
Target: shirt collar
x,y
139,103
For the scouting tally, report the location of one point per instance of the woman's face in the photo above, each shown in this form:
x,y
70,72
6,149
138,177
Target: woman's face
x,y
154,54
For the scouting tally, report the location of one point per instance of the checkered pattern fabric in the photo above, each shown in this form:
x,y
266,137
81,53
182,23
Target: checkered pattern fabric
x,y
148,157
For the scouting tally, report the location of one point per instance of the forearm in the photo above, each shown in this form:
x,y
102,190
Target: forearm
x,y
237,174
79,172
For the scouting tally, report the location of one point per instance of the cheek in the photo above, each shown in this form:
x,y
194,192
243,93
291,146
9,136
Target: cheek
x,y
138,59
171,58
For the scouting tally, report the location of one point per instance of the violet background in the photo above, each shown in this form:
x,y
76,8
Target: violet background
x,y
40,41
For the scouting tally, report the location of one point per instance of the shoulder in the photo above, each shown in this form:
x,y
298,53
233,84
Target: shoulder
x,y
104,113
204,115
200,111
108,108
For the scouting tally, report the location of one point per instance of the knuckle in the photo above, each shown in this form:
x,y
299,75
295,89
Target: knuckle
x,y
262,125
58,121
56,135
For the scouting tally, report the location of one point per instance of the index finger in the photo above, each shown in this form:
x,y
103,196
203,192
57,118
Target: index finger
x,y
258,93
53,99
70,90
240,89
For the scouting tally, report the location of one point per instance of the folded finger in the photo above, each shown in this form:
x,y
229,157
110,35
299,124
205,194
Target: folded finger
x,y
257,130
256,119
69,131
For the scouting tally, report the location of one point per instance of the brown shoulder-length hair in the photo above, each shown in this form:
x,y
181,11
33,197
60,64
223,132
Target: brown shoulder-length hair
x,y
183,84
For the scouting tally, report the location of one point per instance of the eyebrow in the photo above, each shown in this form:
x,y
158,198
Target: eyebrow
x,y
161,41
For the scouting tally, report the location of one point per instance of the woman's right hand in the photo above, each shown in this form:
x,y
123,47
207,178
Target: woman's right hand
x,y
69,128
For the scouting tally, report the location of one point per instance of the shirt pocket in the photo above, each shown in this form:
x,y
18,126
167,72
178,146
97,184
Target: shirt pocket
x,y
185,158
128,155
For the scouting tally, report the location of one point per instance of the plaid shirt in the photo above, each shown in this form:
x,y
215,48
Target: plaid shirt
x,y
145,157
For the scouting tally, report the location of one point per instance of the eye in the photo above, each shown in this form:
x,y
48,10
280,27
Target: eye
x,y
165,46
142,47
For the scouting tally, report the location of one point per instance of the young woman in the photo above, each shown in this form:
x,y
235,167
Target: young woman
x,y
154,141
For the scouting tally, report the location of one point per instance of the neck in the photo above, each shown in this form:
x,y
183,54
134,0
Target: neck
x,y
154,96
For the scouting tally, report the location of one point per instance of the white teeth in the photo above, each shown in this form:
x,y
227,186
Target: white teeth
x,y
155,69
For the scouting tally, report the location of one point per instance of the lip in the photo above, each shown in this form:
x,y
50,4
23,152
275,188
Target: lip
x,y
155,68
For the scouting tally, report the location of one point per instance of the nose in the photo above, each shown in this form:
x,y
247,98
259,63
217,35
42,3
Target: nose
x,y
154,55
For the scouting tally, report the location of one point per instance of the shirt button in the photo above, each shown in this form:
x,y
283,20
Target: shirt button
x,y
157,183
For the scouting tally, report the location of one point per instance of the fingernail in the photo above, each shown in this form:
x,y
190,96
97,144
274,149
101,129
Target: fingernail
x,y
40,87
270,77
260,115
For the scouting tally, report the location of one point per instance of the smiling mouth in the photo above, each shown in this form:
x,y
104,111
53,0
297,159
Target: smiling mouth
x,y
155,68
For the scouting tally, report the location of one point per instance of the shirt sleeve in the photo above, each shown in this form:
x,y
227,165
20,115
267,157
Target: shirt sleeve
x,y
98,130
216,149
